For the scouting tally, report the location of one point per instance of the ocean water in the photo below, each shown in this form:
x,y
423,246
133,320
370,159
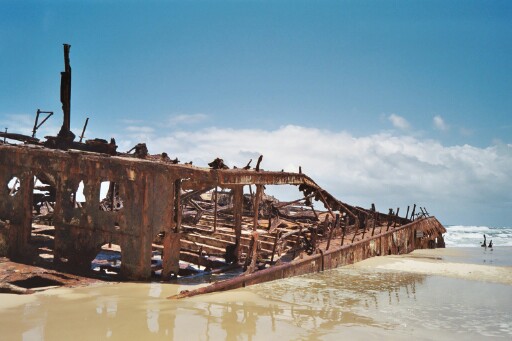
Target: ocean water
x,y
354,302
345,303
473,236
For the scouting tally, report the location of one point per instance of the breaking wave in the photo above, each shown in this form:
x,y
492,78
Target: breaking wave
x,y
471,236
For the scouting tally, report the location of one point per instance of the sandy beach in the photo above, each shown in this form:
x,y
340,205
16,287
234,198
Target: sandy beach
x,y
428,294
463,263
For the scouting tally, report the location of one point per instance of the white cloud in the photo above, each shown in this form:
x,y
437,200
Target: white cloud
x,y
458,183
399,122
140,129
187,119
439,123
134,135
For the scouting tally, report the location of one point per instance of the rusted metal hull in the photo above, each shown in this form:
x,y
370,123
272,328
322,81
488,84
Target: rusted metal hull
x,y
152,218
152,206
396,241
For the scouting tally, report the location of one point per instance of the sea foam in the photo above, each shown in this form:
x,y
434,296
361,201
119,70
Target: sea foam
x,y
471,236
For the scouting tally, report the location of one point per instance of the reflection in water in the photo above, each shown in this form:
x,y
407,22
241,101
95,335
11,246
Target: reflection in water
x,y
153,310
308,305
341,297
35,333
152,319
320,306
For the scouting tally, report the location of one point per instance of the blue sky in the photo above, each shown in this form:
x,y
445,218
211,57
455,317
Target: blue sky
x,y
420,89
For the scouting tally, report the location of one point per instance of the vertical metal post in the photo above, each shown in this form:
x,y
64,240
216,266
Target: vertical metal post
x,y
215,209
374,222
390,218
177,205
238,203
257,199
413,210
65,97
344,227
332,231
278,233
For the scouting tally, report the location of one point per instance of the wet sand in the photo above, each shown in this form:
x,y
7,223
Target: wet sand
x,y
429,294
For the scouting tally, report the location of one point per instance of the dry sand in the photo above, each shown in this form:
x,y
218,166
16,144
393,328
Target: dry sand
x,y
431,262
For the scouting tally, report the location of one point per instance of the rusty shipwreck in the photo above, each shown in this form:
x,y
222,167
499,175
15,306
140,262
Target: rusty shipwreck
x,y
85,208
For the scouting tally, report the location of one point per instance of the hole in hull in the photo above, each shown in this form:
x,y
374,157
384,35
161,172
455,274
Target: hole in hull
x,y
36,282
